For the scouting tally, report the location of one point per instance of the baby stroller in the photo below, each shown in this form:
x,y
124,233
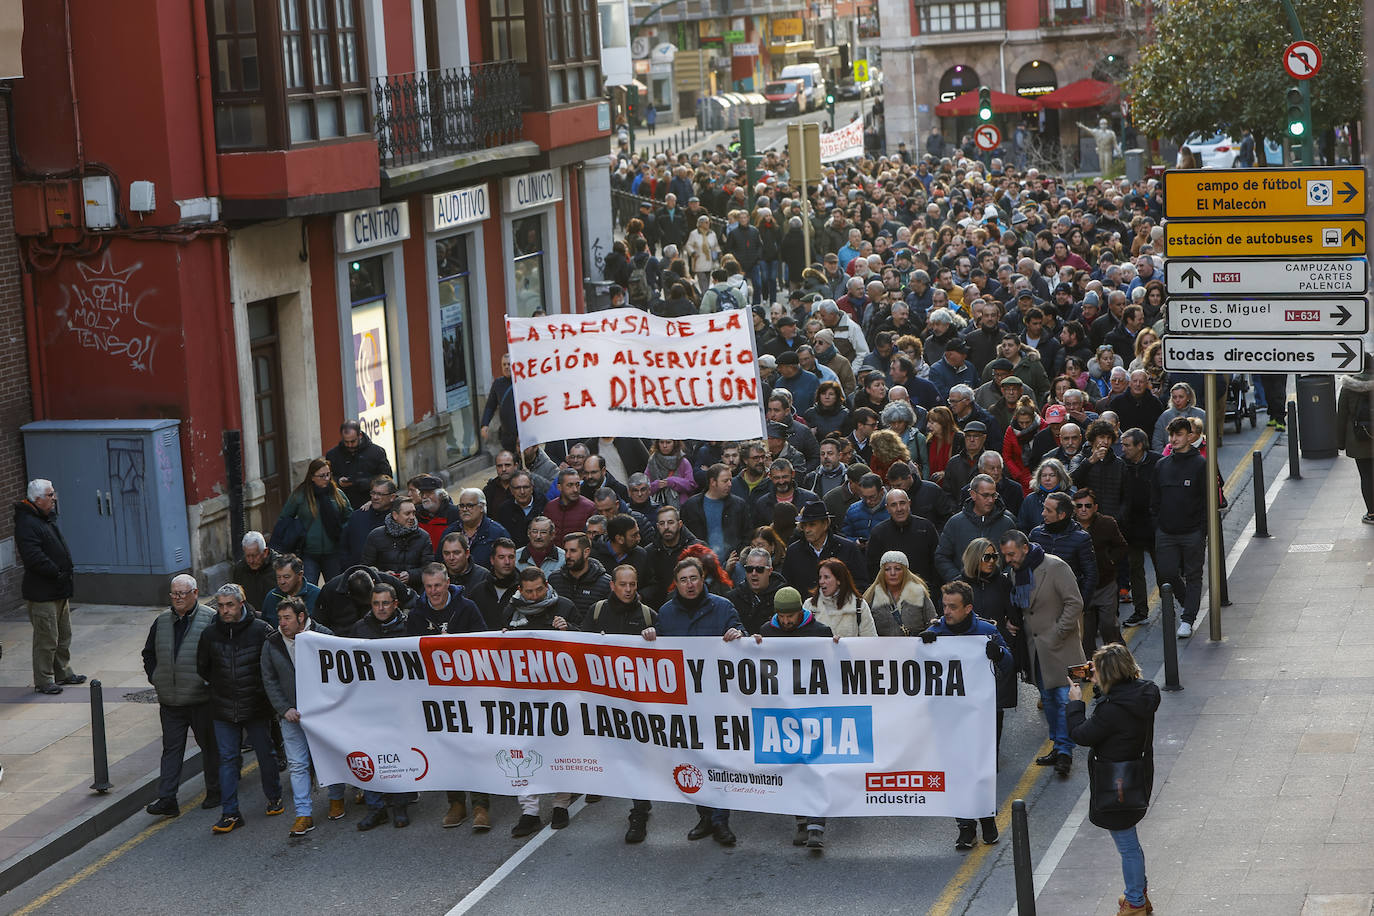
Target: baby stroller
x,y
1239,403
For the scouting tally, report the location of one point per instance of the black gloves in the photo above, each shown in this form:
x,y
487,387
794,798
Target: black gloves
x,y
927,637
993,650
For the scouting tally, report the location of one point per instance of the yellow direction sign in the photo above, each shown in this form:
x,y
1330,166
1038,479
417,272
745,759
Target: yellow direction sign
x,y
860,71
1215,193
1274,238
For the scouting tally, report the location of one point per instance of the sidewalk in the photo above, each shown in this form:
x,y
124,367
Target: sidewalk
x,y
47,809
1264,783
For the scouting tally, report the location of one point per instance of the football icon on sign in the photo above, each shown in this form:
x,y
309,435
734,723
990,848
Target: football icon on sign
x,y
1319,193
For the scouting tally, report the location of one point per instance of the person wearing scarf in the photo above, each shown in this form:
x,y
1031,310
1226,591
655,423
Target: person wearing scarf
x,y
384,620
1044,588
670,473
321,509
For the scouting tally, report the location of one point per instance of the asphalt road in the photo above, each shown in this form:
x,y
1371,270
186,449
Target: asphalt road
x,y
870,865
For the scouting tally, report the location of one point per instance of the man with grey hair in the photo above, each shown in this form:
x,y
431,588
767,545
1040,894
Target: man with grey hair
x,y
1076,403
849,340
983,515
254,571
47,586
480,530
753,597
1117,382
169,661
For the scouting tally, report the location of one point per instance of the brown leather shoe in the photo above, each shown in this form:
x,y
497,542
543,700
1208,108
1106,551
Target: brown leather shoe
x,y
336,809
457,813
302,826
481,821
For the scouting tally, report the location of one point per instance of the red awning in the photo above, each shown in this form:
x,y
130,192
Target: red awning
x,y
967,104
1081,94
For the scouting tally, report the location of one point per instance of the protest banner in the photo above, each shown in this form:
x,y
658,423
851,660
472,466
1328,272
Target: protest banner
x,y
865,727
624,372
845,143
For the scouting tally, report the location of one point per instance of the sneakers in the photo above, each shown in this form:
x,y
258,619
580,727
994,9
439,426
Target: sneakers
x,y
1123,596
1368,519
1063,766
968,834
721,834
799,838
815,839
49,689
528,824
336,809
559,820
274,807
302,826
702,830
990,835
228,824
481,820
164,807
1137,619
457,813
638,829
1185,629
72,680
375,818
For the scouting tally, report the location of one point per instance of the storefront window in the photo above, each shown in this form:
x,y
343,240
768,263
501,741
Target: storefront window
x,y
455,337
527,237
371,373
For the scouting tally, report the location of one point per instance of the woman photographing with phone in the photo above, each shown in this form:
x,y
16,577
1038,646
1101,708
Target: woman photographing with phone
x,y
1120,735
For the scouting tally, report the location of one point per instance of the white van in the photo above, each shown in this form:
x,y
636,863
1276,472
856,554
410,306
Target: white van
x,y
811,75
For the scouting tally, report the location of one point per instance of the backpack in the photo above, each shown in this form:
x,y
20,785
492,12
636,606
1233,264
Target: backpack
x,y
726,298
596,613
640,293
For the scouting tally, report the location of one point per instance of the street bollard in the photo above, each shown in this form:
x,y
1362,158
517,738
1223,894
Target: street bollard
x,y
1257,481
1294,471
1215,620
1166,604
99,752
1021,858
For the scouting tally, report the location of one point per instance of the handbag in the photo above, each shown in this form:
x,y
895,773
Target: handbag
x,y
288,535
1120,789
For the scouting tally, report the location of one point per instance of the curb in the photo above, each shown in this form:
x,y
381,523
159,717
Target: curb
x,y
76,833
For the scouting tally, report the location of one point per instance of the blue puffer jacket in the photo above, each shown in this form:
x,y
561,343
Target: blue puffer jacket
x,y
1004,669
709,617
1069,542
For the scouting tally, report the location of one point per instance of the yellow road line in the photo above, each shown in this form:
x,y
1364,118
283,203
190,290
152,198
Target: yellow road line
x,y
49,896
955,888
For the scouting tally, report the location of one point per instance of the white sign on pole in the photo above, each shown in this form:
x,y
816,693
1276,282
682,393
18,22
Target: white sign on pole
x,y
1294,277
624,372
1268,316
863,727
1321,355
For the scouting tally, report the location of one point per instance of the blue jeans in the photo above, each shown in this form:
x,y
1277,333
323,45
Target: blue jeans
x,y
315,566
1132,864
756,280
298,761
768,275
1056,700
229,736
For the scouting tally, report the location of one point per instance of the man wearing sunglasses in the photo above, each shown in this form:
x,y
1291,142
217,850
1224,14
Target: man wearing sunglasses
x,y
1102,605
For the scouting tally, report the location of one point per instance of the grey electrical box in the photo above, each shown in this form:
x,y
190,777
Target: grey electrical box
x,y
121,503
98,192
142,196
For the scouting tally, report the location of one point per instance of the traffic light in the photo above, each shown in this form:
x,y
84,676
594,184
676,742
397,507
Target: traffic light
x,y
984,104
1297,124
830,106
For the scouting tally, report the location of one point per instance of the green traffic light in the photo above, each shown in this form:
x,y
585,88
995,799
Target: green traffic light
x,y
985,114
1297,128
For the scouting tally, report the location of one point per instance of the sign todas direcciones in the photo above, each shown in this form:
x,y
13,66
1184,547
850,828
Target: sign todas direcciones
x,y
1262,354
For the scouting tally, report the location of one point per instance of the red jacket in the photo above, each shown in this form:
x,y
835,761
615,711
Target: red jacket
x,y
568,519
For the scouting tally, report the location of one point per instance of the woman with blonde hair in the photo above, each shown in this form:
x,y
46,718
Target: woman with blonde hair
x,y
836,602
1143,339
702,250
900,599
320,510
888,449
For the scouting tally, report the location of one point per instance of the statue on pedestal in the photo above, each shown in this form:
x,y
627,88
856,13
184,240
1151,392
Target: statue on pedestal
x,y
1107,145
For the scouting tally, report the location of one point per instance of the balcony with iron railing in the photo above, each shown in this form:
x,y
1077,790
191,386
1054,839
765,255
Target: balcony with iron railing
x,y
432,123
1058,14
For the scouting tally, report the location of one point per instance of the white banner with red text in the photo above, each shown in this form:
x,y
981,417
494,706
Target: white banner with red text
x,y
624,372
845,143
865,727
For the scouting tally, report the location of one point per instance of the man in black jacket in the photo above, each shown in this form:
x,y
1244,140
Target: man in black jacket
x,y
494,594
1178,503
47,586
753,598
346,598
717,516
621,547
254,572
912,535
581,579
457,561
355,461
524,506
1139,465
399,547
229,658
803,560
384,620
361,522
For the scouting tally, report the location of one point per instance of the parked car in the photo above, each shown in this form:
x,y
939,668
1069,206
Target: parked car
x,y
849,88
1220,151
786,97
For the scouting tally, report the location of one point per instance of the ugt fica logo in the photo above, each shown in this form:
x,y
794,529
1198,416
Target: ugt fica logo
x,y
361,765
688,778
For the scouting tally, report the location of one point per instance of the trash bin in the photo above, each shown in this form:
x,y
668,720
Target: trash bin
x,y
1317,416
1135,165
598,294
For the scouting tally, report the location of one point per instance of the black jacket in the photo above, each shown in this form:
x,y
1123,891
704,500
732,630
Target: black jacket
x,y
1069,542
229,657
1106,478
618,619
335,607
43,551
1178,493
1139,528
516,521
917,539
810,626
800,565
1120,728
372,628
735,520
359,465
459,615
755,608
256,583
408,551
360,524
584,590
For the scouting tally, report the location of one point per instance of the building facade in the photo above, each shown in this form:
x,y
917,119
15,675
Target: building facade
x,y
344,201
934,51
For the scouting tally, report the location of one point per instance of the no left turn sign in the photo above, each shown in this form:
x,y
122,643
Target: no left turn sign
x,y
987,138
1302,60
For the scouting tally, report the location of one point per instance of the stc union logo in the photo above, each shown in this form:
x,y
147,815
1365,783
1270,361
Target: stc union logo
x,y
361,765
905,781
688,778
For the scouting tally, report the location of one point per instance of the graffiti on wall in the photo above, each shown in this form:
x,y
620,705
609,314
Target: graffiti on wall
x,y
104,314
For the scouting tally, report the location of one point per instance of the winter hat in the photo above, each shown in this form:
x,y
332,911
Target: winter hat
x,y
894,556
787,600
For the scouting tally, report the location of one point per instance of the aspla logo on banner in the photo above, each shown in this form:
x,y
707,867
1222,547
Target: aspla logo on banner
x,y
822,734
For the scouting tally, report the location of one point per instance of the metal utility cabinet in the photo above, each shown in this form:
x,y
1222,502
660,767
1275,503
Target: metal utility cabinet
x,y
121,503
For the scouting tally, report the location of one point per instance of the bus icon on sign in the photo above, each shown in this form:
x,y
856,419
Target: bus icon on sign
x,y
1331,237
